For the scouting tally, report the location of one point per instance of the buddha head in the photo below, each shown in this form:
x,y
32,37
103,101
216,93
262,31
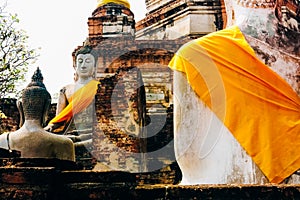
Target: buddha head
x,y
85,63
35,100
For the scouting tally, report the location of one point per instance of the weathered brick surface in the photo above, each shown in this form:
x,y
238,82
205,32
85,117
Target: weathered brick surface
x,y
11,122
111,19
31,178
216,192
26,192
54,179
27,175
109,137
10,109
96,185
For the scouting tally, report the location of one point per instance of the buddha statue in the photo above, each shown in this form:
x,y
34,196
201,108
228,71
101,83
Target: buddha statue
x,y
31,139
75,108
236,91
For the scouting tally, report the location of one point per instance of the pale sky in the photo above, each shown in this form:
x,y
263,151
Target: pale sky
x,y
58,27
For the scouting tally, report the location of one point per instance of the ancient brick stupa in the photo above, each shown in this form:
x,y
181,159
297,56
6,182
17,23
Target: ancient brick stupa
x,y
111,18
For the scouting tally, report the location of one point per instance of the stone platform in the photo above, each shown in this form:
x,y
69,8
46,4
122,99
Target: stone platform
x,y
54,179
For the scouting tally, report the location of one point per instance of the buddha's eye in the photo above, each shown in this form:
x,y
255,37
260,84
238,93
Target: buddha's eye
x,y
80,60
88,60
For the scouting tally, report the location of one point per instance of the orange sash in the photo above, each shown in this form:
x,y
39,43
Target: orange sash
x,y
259,108
81,99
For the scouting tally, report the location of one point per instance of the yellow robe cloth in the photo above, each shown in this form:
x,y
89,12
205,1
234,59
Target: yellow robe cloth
x,y
81,99
122,2
259,108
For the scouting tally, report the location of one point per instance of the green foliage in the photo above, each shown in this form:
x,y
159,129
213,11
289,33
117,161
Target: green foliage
x,y
15,55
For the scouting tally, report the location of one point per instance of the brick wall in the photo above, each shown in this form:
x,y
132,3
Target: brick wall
x,y
121,149
111,20
12,119
52,179
117,98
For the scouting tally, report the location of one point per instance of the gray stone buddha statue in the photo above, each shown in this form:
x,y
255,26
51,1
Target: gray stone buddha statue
x,y
31,139
75,108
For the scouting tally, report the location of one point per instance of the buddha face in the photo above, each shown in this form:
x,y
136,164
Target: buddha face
x,y
85,65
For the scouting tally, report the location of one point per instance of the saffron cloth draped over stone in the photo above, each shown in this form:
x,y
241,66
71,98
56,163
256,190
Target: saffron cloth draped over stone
x,y
122,2
258,107
81,99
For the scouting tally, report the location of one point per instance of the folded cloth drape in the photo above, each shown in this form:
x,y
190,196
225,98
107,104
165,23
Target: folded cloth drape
x,y
81,99
259,107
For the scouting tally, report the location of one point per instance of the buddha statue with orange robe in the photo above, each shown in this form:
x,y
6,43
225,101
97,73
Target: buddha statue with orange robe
x,y
75,108
237,104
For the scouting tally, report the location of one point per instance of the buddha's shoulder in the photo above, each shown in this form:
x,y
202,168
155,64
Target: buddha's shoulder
x,y
67,90
68,87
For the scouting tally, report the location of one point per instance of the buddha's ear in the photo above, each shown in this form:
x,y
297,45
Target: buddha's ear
x,y
75,76
21,111
45,112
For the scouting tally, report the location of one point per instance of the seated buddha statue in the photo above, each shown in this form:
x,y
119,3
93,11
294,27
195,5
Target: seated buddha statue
x,y
237,105
31,140
75,108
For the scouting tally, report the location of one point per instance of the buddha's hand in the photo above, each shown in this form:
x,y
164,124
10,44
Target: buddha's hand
x,y
74,138
49,128
54,128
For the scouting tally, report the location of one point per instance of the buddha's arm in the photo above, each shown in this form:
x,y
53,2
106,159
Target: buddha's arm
x,y
82,137
62,101
66,150
83,144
